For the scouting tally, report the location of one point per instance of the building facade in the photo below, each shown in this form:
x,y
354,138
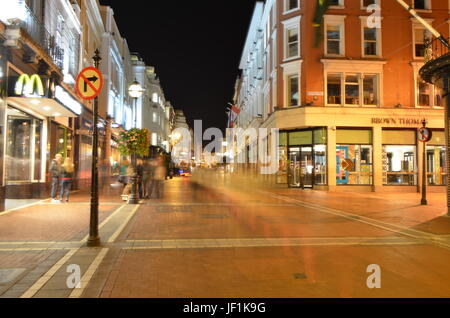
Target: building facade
x,y
151,107
40,58
349,109
44,44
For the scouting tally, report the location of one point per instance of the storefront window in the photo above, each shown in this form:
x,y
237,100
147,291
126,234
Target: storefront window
x,y
320,157
282,157
37,149
23,135
354,164
399,165
436,169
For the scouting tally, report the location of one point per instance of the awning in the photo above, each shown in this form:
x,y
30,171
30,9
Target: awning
x,y
44,106
42,95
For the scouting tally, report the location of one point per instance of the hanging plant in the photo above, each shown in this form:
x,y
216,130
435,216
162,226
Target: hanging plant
x,y
135,141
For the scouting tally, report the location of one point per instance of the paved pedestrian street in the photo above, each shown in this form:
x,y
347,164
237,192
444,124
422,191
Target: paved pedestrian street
x,y
212,240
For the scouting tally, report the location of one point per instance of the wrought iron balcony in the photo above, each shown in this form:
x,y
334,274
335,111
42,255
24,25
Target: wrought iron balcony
x,y
437,61
435,49
37,31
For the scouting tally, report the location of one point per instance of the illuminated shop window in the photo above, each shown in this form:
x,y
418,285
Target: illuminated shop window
x,y
354,165
436,168
400,165
23,147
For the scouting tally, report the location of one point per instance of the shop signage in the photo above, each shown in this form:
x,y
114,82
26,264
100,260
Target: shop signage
x,y
397,121
425,134
348,165
67,100
29,85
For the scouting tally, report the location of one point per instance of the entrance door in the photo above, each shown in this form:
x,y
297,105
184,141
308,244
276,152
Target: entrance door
x,y
301,167
294,171
307,167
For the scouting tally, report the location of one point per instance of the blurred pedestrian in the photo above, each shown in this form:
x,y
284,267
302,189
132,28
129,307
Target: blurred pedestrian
x,y
147,175
55,171
123,179
129,171
159,175
140,175
66,178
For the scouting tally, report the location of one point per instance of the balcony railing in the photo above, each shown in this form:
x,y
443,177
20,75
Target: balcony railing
x,y
37,31
435,49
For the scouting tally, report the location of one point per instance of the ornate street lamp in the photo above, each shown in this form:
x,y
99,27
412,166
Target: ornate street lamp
x,y
135,91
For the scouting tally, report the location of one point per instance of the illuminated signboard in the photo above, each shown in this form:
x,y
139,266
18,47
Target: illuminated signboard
x,y
29,85
62,96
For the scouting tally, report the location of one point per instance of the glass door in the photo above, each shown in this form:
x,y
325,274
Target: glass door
x,y
294,173
307,167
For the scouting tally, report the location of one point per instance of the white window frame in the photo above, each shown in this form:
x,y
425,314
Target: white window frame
x,y
352,67
417,25
274,51
285,7
416,67
290,24
428,7
335,20
292,69
274,15
365,7
379,52
341,5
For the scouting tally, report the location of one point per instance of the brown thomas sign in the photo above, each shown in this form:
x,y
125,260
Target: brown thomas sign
x,y
398,121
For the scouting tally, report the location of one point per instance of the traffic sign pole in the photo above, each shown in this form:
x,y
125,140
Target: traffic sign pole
x,y
94,237
424,176
424,136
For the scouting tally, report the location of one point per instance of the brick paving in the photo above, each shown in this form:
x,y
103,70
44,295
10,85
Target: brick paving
x,y
211,240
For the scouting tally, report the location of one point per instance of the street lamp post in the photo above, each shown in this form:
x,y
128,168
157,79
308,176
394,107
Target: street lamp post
x,y
135,91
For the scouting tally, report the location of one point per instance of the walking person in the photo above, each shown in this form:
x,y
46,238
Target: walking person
x,y
140,174
127,184
55,171
159,175
123,178
147,174
66,178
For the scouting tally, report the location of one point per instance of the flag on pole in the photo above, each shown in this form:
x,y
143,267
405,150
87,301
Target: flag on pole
x,y
232,115
321,7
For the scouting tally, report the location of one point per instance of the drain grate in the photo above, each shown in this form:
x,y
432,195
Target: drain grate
x,y
299,276
10,274
174,209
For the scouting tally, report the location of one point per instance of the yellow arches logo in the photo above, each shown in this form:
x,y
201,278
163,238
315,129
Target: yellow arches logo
x,y
29,85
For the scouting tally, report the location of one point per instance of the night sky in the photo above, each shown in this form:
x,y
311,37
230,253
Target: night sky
x,y
194,45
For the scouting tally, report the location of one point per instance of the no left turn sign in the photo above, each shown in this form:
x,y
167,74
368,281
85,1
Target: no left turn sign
x,y
89,83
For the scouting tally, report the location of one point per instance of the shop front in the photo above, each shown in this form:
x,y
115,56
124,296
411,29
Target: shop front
x,y
302,156
38,124
364,149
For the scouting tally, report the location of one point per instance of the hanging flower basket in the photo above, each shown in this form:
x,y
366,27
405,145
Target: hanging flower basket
x,y
134,141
